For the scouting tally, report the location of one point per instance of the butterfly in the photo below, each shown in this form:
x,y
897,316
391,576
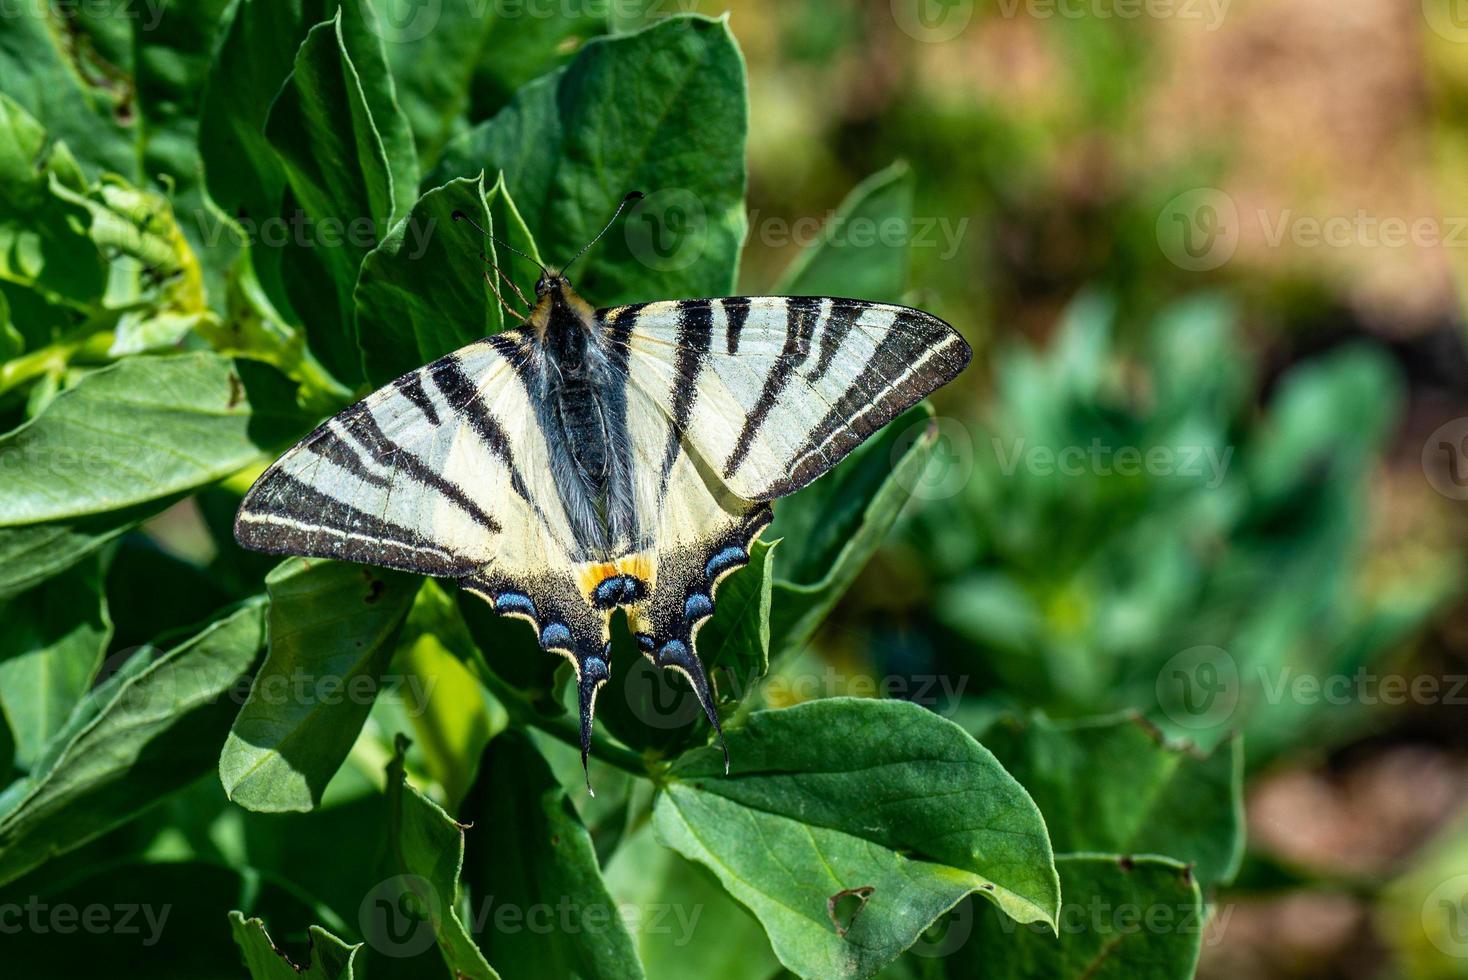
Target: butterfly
x,y
595,459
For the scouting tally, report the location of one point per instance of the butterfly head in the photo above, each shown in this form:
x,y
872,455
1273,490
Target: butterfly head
x,y
550,281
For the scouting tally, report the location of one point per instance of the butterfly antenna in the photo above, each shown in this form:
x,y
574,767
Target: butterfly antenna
x,y
461,216
633,196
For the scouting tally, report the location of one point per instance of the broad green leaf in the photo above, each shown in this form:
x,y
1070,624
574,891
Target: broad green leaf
x,y
521,49
422,292
682,920
1121,919
50,651
58,79
243,174
517,807
428,850
146,732
651,708
1116,785
451,716
880,805
142,430
333,628
831,529
459,59
863,248
32,553
349,161
574,143
43,241
172,58
330,958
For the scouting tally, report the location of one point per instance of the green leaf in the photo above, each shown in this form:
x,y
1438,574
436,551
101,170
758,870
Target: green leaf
x,y
50,650
33,553
64,82
863,249
572,144
459,59
146,732
685,923
428,849
333,628
330,958
841,802
422,292
43,239
1122,919
1116,785
349,161
831,529
141,430
172,58
518,807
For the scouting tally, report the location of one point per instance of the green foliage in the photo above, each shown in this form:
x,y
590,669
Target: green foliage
x,y
161,344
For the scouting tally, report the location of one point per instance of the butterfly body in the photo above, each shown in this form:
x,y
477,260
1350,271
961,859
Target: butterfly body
x,y
591,460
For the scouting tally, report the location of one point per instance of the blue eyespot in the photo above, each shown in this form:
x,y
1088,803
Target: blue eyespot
x,y
555,635
645,642
725,559
698,606
514,602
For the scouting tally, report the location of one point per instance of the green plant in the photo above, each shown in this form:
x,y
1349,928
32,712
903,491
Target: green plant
x,y
365,753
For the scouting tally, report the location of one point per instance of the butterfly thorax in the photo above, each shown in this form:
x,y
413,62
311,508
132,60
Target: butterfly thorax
x,y
584,406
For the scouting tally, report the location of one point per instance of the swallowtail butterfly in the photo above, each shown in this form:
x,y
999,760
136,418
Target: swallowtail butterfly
x,y
594,459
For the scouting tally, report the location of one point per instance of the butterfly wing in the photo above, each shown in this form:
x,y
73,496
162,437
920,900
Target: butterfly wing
x,y
733,402
443,472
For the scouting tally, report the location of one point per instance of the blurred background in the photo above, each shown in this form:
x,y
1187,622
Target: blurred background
x,y
1211,451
